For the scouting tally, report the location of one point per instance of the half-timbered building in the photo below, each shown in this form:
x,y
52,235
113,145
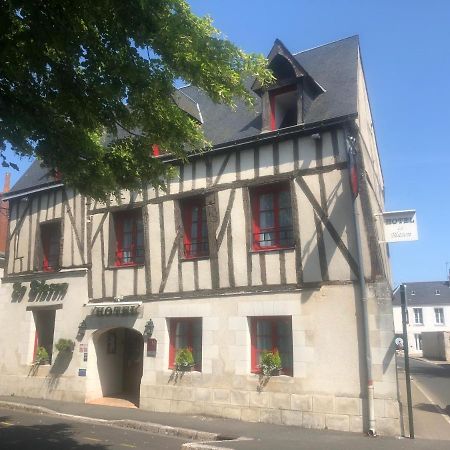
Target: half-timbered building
x,y
256,246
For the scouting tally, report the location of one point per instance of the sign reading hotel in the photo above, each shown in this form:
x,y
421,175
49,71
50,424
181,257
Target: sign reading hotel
x,y
400,226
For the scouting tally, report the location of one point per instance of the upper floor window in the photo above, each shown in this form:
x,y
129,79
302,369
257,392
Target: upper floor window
x,y
283,107
51,241
413,292
195,228
437,292
439,316
418,316
272,217
129,238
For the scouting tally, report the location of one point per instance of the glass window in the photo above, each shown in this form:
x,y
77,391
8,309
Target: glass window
x,y
45,326
272,217
418,341
271,334
129,238
439,316
195,228
418,316
51,241
186,333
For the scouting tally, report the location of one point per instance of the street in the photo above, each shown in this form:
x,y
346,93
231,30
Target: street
x,y
433,379
23,430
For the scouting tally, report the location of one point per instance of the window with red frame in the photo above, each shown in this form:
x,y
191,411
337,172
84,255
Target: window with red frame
x,y
44,322
51,241
129,238
186,333
283,107
271,334
272,217
195,228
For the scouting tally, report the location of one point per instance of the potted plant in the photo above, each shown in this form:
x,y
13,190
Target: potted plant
x,y
270,363
65,345
184,360
41,356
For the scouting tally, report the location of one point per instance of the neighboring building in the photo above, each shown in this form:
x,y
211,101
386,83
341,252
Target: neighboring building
x,y
428,310
251,248
4,211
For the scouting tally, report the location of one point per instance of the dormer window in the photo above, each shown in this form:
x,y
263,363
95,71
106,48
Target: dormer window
x,y
437,292
287,100
283,107
413,292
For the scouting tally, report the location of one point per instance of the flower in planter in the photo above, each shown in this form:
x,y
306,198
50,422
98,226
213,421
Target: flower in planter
x,y
270,363
65,345
41,356
184,360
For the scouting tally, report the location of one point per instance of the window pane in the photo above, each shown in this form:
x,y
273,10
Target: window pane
x,y
266,202
285,199
266,220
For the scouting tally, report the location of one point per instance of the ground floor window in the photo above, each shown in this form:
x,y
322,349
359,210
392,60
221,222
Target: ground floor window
x,y
186,333
418,341
45,326
272,334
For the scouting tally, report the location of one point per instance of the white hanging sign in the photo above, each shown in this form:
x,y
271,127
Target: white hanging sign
x,y
400,226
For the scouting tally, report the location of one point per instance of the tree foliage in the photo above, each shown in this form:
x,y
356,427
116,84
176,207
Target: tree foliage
x,y
73,72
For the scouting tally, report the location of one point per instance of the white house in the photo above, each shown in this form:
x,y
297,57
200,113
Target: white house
x,y
252,248
428,310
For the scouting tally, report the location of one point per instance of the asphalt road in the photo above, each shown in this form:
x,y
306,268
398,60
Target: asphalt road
x,y
23,430
434,379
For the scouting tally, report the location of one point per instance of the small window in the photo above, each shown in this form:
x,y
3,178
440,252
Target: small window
x,y
413,292
45,326
51,241
418,316
283,107
186,333
195,228
439,316
270,334
129,238
272,217
437,292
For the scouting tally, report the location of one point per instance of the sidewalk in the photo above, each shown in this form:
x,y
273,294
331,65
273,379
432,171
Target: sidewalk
x,y
262,436
430,422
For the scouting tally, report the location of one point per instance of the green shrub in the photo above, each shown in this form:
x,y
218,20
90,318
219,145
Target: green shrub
x,y
41,356
270,363
65,345
184,359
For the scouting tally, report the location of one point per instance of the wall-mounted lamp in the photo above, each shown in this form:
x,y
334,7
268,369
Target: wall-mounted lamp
x,y
316,136
149,327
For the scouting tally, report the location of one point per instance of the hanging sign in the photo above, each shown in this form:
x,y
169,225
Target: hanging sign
x,y
400,226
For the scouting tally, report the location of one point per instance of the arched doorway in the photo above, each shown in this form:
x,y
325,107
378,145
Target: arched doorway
x,y
119,363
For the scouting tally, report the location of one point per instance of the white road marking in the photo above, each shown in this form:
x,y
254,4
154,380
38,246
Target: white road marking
x,y
433,402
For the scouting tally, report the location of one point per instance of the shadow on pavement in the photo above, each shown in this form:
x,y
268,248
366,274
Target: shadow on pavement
x,y
433,408
40,437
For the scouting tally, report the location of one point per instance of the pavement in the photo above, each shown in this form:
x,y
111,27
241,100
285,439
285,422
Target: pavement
x,y
430,386
216,433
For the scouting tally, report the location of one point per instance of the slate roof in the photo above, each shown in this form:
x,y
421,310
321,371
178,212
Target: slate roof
x,y
333,66
423,293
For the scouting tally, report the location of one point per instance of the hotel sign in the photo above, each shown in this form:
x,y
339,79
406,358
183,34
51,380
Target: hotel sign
x,y
111,309
400,226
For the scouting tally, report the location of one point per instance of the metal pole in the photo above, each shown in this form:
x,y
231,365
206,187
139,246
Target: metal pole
x,y
406,352
365,320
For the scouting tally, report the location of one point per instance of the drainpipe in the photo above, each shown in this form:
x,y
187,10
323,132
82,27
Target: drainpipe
x,y
356,203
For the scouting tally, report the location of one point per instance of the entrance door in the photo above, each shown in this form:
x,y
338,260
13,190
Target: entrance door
x,y
119,363
132,363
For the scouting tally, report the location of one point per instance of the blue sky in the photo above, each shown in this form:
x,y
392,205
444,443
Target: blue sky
x,y
406,56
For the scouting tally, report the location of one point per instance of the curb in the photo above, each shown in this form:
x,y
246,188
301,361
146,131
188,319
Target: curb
x,y
200,446
124,423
